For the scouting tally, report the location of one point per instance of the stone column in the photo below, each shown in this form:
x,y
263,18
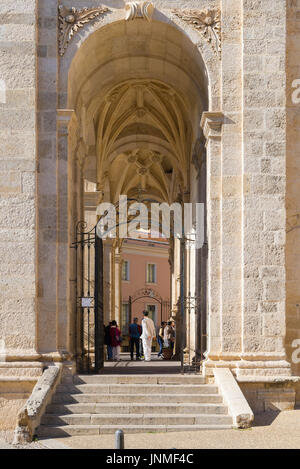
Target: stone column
x,y
116,285
199,195
107,272
171,264
175,276
75,214
175,293
64,212
191,292
211,124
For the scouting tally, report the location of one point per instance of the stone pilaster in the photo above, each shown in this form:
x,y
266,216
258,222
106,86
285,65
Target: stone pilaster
x,y
211,124
46,330
107,270
116,285
224,179
64,207
231,181
191,292
264,187
175,276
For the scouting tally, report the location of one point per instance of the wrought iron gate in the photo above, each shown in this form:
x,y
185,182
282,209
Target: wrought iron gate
x,y
191,357
89,326
154,296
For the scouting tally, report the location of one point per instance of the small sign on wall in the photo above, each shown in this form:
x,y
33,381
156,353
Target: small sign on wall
x,y
86,302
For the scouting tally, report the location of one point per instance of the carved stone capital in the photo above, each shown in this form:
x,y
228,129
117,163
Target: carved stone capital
x,y
206,22
211,123
139,9
118,258
63,117
71,20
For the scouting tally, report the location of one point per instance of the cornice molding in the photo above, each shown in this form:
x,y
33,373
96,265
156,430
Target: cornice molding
x,y
64,116
211,123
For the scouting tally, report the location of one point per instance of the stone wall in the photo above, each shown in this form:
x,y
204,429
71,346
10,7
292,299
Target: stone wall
x,y
251,180
264,180
266,397
13,395
17,176
293,175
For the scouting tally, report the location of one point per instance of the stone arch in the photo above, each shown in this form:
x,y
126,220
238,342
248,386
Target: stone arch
x,y
169,58
142,87
114,17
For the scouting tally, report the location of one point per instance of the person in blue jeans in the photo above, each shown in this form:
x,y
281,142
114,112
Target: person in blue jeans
x,y
160,337
134,336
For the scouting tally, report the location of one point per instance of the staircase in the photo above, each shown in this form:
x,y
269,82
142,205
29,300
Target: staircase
x,y
102,404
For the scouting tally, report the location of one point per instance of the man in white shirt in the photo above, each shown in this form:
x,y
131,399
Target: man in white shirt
x,y
148,334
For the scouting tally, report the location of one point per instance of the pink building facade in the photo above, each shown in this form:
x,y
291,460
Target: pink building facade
x,y
145,281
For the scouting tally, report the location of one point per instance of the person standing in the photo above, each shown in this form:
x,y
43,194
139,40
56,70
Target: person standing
x,y
107,341
141,342
115,335
173,325
169,336
148,335
160,338
134,336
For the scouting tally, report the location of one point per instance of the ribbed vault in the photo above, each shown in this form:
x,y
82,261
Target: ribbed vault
x,y
150,118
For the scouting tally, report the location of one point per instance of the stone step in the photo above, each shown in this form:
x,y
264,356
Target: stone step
x,y
136,419
137,389
65,398
133,379
125,408
102,404
77,430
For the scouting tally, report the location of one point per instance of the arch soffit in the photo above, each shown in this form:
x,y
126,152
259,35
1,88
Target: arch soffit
x,y
114,22
176,77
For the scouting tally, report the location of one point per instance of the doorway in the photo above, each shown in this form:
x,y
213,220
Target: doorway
x,y
136,134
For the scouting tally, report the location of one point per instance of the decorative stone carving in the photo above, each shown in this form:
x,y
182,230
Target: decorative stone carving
x,y
145,293
71,19
139,9
207,22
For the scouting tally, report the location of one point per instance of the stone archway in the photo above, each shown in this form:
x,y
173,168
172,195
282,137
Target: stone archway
x,y
252,287
135,127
